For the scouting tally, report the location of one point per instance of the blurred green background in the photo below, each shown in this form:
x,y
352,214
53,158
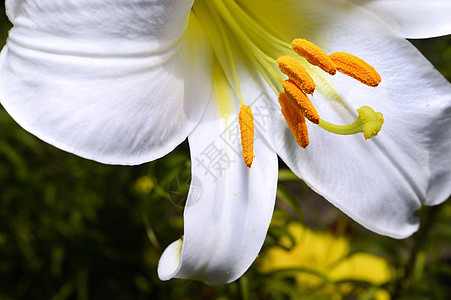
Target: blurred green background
x,y
75,229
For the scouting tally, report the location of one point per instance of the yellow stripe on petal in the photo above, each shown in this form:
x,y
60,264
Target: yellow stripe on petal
x,y
222,90
301,100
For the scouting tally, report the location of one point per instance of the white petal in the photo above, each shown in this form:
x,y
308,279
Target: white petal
x,y
380,182
170,260
229,206
412,18
107,80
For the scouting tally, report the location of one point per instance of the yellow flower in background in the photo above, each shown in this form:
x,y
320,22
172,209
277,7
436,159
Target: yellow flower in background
x,y
325,259
144,185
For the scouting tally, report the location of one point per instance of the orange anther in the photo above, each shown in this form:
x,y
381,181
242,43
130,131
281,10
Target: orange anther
x,y
356,68
290,67
246,121
314,55
301,101
295,120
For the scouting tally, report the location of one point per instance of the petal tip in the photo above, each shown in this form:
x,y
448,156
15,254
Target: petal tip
x,y
169,262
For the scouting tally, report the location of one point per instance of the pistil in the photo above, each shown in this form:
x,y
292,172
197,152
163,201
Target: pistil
x,y
369,122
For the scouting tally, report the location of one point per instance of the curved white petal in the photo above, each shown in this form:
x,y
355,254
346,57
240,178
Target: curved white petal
x,y
382,181
229,206
170,260
412,18
107,80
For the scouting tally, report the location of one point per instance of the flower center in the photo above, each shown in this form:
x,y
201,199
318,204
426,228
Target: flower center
x,y
237,36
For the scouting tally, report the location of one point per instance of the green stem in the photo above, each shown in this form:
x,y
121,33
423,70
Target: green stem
x,y
415,264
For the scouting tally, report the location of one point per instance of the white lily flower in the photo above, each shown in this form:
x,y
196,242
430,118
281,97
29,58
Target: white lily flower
x,y
126,81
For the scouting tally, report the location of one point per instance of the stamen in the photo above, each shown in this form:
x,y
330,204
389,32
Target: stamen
x,y
301,100
290,67
356,68
369,122
263,62
295,120
314,55
246,121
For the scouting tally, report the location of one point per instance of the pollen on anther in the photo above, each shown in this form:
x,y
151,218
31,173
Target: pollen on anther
x,y
314,55
356,68
300,99
295,120
246,121
296,72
